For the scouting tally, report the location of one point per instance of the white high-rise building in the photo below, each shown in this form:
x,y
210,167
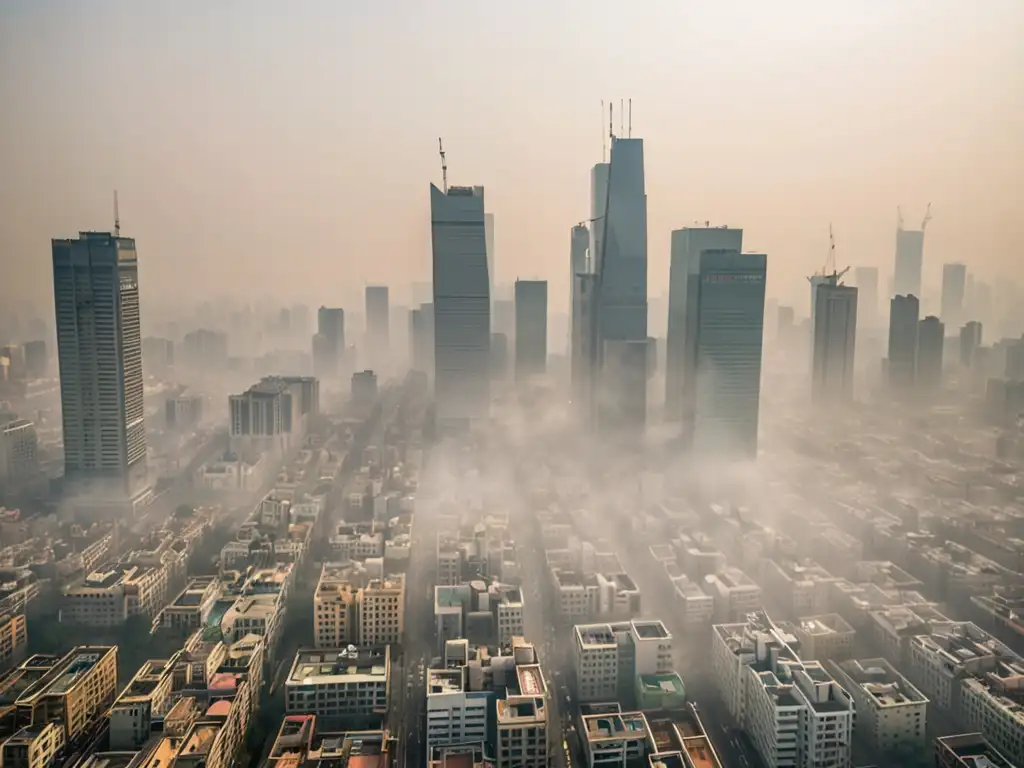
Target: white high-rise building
x,y
99,347
729,333
680,348
462,322
835,337
954,285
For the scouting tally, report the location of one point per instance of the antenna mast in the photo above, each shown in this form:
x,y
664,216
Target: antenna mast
x,y
604,139
899,219
444,166
622,116
927,217
611,129
117,217
630,134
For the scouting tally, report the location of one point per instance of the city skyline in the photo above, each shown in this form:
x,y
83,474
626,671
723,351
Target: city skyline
x,y
218,180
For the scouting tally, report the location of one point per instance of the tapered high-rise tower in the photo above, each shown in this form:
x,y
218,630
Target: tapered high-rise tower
x,y
462,319
99,348
621,266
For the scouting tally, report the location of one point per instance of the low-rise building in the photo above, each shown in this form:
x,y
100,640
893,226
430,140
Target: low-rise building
x,y
992,705
615,739
891,712
72,692
338,685
191,608
257,614
381,611
33,746
13,639
734,594
824,638
695,607
609,657
969,750
108,596
146,698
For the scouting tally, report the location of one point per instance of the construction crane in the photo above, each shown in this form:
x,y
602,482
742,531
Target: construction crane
x,y
444,166
828,272
927,217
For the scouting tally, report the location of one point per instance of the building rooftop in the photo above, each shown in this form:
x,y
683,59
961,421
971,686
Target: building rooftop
x,y
650,630
666,683
347,665
440,681
971,750
880,680
571,579
826,624
624,725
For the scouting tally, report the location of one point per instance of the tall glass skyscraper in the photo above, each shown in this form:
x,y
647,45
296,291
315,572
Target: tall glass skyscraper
x,y
621,266
729,332
462,321
99,348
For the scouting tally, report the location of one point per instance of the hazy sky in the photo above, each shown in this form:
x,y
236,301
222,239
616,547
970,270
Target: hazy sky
x,y
286,147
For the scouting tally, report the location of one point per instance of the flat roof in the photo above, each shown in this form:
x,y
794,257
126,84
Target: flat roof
x,y
648,630
355,665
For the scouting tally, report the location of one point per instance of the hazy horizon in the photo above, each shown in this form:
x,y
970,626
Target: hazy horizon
x,y
270,148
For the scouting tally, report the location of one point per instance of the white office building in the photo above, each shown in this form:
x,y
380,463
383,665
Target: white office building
x,y
462,326
99,347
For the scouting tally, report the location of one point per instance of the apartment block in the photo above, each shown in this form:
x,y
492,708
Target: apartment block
x,y
801,586
145,699
615,739
824,638
891,712
191,608
300,742
335,609
697,556
992,705
734,594
694,606
969,750
609,657
33,746
340,685
13,639
72,692
381,611
940,661
490,615
257,614
109,595
794,711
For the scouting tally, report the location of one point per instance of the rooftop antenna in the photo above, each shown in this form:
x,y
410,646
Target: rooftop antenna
x,y
927,217
611,129
604,139
899,219
622,116
630,134
117,217
444,165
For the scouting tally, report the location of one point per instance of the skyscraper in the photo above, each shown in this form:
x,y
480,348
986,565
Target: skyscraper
x,y
329,343
904,313
954,283
489,241
970,340
729,332
835,337
931,337
462,327
680,350
866,279
99,349
908,263
531,328
598,205
622,275
378,324
421,338
580,365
